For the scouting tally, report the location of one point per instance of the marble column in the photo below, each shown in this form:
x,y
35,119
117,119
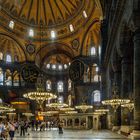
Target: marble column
x,y
136,131
117,113
4,76
125,88
116,65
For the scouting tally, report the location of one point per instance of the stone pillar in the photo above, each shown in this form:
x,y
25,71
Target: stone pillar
x,y
73,123
4,75
12,76
79,122
66,122
125,88
117,113
86,122
90,70
116,66
19,79
136,132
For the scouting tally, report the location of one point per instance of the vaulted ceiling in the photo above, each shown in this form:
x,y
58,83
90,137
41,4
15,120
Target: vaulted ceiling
x,y
43,16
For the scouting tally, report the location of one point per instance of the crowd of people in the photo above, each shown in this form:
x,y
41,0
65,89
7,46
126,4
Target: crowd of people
x,y
23,127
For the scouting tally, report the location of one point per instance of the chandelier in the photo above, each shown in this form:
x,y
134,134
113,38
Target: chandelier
x,y
71,112
5,107
101,111
84,107
57,105
28,114
130,106
67,109
115,102
40,95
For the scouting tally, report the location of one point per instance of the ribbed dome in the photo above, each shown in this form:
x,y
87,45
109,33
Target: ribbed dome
x,y
46,12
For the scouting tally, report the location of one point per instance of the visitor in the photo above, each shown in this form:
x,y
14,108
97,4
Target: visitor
x,y
22,128
60,128
11,127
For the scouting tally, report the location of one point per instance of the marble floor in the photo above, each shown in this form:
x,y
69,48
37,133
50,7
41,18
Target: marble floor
x,y
72,135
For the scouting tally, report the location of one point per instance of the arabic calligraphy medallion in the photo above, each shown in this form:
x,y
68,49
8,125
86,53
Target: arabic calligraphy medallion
x,y
29,73
76,70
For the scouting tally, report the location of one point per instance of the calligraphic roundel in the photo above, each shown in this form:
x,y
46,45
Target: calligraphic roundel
x,y
76,70
29,73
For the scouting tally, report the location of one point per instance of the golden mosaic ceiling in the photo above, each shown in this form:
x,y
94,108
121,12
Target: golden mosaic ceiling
x,y
43,16
49,14
46,12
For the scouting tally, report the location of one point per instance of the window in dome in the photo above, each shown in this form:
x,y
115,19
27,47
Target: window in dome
x,y
65,66
69,84
93,51
53,34
11,24
1,56
60,86
96,78
16,58
31,33
8,78
48,66
48,85
1,76
53,66
16,79
97,96
84,14
99,49
97,69
71,27
8,58
60,67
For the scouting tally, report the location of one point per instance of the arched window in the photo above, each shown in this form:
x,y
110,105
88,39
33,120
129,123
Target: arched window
x,y
60,86
69,84
1,76
96,78
16,78
8,78
8,58
16,58
48,85
93,51
97,96
1,56
11,24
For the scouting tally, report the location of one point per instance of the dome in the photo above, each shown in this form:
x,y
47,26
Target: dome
x,y
65,17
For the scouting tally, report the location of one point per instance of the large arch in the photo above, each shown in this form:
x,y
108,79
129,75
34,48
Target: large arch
x,y
10,45
52,49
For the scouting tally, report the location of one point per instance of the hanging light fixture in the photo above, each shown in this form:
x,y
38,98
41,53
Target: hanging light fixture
x,y
59,103
102,111
40,95
115,102
71,112
67,109
5,107
84,107
130,106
